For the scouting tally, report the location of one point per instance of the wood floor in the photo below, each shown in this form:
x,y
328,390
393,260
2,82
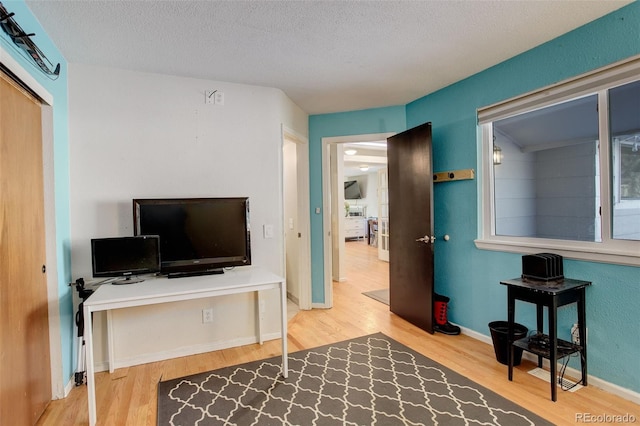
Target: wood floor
x,y
128,397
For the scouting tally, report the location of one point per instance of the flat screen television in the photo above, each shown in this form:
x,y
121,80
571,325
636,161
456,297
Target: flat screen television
x,y
198,236
352,190
126,257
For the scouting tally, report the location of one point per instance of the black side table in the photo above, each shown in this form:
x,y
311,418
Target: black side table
x,y
551,294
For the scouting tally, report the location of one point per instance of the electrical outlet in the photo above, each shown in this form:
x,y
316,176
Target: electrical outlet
x,y
575,334
219,97
207,315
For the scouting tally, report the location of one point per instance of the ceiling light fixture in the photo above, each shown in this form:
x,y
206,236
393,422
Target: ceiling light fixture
x,y
381,144
364,167
350,151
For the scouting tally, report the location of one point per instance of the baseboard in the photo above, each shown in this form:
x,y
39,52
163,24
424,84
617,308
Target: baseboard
x,y
474,334
193,350
67,388
185,351
293,298
594,381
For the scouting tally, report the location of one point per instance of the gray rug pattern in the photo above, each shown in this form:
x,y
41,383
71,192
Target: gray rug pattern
x,y
371,380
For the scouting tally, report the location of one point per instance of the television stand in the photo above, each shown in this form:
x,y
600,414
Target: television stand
x,y
159,291
195,273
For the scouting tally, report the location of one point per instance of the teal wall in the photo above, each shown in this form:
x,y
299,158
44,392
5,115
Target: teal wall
x,y
379,120
58,89
471,276
468,275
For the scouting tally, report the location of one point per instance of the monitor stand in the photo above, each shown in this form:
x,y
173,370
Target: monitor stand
x,y
128,280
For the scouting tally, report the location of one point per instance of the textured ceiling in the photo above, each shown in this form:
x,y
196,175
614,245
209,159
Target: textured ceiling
x,y
327,56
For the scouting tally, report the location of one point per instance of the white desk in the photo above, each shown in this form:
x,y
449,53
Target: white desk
x,y
162,290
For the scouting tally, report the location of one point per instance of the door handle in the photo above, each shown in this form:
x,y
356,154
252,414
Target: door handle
x,y
427,239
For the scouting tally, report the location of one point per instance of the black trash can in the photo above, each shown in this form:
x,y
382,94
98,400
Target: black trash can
x,y
499,335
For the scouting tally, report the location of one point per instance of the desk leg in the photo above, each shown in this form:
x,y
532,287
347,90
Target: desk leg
x,y
553,349
260,314
91,385
110,348
582,331
283,328
511,314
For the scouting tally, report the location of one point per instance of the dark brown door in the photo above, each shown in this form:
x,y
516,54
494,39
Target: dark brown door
x,y
25,371
411,226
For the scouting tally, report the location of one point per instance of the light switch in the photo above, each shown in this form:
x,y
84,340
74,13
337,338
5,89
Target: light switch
x,y
291,223
268,231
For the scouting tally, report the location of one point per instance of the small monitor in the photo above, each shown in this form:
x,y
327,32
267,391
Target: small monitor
x,y
126,257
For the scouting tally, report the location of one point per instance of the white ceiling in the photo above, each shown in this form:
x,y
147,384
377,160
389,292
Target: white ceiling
x,y
372,155
327,56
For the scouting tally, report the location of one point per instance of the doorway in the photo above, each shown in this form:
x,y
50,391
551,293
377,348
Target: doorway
x,y
297,227
334,171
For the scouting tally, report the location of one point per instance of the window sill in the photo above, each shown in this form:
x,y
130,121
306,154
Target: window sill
x,y
617,252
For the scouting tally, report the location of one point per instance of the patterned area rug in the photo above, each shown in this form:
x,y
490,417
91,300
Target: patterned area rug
x,y
365,381
379,295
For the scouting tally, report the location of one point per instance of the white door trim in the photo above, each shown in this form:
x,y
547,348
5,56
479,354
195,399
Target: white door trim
x,y
304,219
326,202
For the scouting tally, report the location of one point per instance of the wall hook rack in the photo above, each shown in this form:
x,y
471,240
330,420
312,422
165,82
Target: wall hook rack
x,y
23,40
452,175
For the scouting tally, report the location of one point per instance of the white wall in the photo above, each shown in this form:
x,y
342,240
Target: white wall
x,y
139,135
566,192
515,190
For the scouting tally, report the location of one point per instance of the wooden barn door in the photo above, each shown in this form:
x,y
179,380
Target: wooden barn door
x,y
25,370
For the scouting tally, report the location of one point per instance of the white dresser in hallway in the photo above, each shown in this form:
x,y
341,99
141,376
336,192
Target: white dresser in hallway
x,y
355,227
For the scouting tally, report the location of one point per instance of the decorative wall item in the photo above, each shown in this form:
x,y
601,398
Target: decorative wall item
x,y
454,175
24,42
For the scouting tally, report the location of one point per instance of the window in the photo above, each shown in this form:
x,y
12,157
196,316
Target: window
x,y
624,112
628,167
567,176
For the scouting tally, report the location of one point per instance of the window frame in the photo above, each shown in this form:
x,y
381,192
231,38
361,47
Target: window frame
x,y
608,250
